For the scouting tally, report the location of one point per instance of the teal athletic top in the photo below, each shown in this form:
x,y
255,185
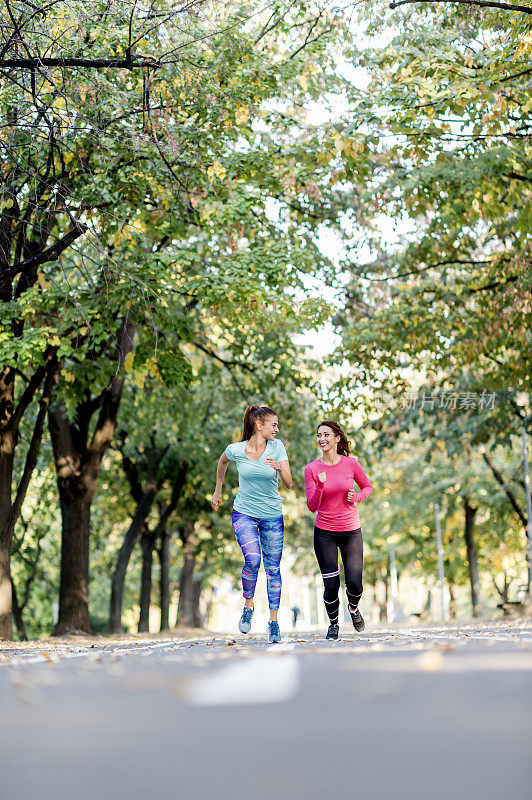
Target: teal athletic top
x,y
258,485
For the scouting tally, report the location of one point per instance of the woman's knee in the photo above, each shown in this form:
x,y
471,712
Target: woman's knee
x,y
252,563
331,587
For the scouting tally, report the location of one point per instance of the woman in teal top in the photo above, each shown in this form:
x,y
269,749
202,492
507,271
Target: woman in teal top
x,y
258,508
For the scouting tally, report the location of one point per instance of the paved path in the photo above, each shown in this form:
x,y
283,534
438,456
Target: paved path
x,y
437,713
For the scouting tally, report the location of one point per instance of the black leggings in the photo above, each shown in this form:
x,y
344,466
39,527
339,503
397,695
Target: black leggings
x,y
326,544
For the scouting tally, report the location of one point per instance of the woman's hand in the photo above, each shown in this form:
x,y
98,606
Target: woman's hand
x,y
350,496
322,477
216,499
271,462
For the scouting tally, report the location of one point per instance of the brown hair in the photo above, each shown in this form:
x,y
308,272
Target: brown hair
x,y
343,444
253,413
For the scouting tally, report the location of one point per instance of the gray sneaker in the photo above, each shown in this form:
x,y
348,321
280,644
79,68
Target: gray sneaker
x,y
274,634
357,618
244,625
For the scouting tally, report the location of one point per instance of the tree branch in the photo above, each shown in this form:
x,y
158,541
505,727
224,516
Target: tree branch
x,y
31,577
509,494
50,254
105,425
448,263
27,396
87,63
177,488
518,177
35,445
132,475
481,3
493,285
517,75
226,362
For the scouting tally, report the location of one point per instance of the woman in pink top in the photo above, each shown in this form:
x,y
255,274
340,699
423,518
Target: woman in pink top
x,y
329,486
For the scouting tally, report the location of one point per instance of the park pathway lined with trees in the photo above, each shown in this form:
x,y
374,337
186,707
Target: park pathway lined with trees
x,y
191,193
184,189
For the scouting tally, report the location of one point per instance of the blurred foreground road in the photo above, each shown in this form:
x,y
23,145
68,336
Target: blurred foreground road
x,y
433,713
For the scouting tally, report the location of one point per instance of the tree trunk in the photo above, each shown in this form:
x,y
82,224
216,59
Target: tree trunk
x,y
186,602
119,575
504,592
208,610
472,555
6,621
144,497
387,588
164,557
74,580
17,615
185,609
147,545
515,505
452,600
7,454
77,463
197,583
10,418
76,489
383,615
368,585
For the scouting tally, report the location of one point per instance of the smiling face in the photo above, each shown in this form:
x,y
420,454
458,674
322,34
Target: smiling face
x,y
327,440
268,427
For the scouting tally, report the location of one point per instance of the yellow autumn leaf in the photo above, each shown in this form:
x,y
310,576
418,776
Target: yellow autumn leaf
x,y
151,363
128,362
139,380
216,169
43,283
241,115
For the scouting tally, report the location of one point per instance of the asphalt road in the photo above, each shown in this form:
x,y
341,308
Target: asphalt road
x,y
433,713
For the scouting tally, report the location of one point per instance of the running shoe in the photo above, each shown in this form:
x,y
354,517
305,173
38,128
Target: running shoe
x,y
358,620
333,632
244,625
274,634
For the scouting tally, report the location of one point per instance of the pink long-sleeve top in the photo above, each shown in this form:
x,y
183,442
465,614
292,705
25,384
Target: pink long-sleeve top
x,y
329,499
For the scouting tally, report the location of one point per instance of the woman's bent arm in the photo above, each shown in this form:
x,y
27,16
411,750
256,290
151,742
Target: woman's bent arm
x,y
364,482
313,490
286,475
221,469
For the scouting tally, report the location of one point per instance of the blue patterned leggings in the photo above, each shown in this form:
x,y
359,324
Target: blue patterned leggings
x,y
254,535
